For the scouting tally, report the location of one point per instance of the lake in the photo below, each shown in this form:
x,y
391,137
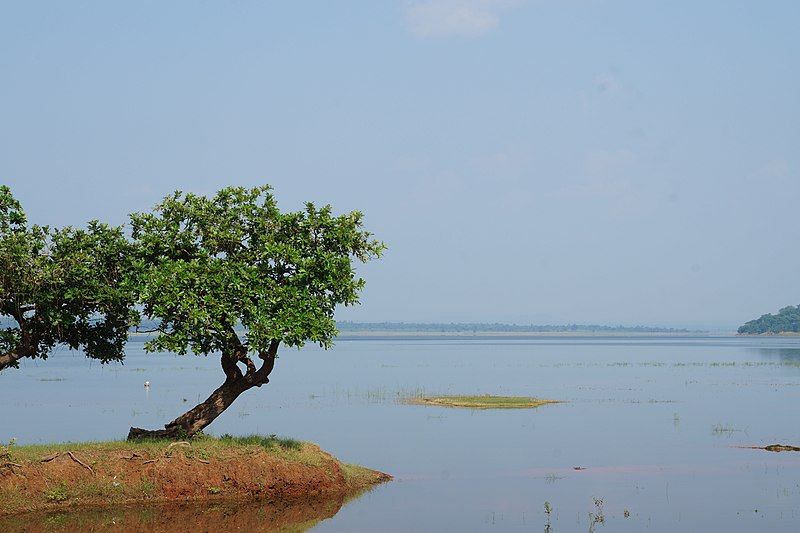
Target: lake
x,y
651,435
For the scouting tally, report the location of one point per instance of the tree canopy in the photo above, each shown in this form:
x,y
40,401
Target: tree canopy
x,y
230,275
786,321
233,275
66,286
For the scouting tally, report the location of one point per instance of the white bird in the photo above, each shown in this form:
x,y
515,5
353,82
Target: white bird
x,y
146,384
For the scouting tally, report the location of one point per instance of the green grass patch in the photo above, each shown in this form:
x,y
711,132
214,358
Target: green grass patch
x,y
482,402
268,443
201,446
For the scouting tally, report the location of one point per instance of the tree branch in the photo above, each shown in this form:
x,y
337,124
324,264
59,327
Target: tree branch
x,y
27,346
229,366
235,352
10,359
261,377
251,367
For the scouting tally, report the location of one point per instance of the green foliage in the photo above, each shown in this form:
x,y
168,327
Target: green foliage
x,y
786,321
210,265
63,286
59,493
200,267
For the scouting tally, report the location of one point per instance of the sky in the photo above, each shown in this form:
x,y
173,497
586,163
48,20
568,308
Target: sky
x,y
541,161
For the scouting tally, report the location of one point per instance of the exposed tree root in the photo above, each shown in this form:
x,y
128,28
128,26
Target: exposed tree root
x,y
71,456
168,452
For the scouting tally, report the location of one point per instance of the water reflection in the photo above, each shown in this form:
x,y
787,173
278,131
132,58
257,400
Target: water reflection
x,y
789,355
222,516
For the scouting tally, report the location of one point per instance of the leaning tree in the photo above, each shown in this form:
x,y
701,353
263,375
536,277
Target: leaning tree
x,y
232,275
71,287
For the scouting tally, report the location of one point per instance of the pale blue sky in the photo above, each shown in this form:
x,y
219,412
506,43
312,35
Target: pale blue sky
x,y
542,161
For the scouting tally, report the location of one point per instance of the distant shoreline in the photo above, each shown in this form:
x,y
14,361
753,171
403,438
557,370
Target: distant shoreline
x,y
358,334
494,328
400,330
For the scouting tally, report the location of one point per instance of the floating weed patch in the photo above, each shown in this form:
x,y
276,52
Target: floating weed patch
x,y
482,402
552,478
722,430
773,448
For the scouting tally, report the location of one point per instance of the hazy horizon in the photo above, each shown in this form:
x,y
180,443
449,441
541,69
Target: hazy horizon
x,y
528,162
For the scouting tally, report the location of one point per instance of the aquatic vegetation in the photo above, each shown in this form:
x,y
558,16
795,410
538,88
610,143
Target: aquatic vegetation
x,y
597,517
774,448
548,510
720,430
482,402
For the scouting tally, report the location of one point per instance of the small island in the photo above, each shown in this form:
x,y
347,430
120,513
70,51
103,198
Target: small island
x,y
113,474
482,402
786,322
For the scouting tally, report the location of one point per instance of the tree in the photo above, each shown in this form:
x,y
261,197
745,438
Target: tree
x,y
232,275
62,286
786,321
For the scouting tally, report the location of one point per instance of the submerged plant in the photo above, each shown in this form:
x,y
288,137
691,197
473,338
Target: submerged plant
x,y
548,510
596,517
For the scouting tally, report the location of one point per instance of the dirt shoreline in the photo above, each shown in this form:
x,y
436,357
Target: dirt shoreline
x,y
121,474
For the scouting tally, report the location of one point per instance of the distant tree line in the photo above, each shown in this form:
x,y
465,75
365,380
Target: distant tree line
x,y
498,327
786,321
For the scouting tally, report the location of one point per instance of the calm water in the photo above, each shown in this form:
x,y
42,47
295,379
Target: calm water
x,y
653,422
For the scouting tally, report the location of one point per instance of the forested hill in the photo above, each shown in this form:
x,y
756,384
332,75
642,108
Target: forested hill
x,y
786,321
504,328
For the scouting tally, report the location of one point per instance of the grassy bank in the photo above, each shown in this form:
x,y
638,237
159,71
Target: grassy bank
x,y
482,402
57,476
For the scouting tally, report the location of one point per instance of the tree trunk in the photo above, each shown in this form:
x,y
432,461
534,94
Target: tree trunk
x,y
197,418
10,359
26,348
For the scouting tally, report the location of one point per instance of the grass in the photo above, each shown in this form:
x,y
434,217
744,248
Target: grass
x,y
202,446
59,493
269,443
482,402
357,477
